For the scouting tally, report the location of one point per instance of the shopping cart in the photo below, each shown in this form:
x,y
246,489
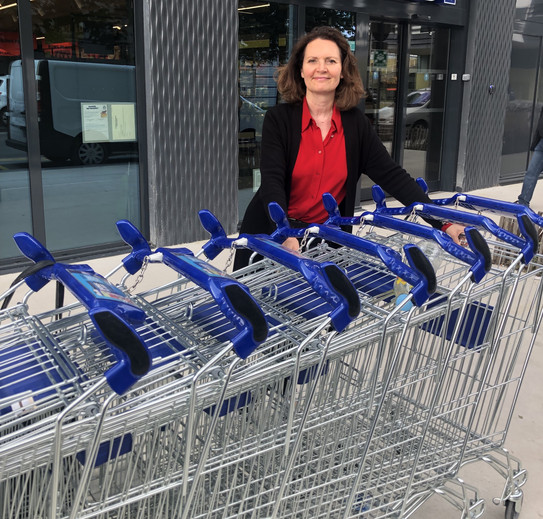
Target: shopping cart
x,y
141,455
74,452
437,434
352,405
306,304
389,469
281,385
307,510
42,379
518,337
510,340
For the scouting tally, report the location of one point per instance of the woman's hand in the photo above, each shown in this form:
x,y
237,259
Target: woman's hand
x,y
292,244
456,232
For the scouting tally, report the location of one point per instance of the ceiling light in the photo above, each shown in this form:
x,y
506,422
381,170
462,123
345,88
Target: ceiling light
x,y
253,7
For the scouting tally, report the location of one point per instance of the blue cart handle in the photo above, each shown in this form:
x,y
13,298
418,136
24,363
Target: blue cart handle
x,y
325,278
527,244
476,203
232,297
419,273
113,314
479,258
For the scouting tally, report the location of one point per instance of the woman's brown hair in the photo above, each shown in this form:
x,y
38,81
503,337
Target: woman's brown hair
x,y
291,85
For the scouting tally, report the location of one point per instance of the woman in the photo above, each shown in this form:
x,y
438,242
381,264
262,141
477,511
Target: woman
x,y
318,141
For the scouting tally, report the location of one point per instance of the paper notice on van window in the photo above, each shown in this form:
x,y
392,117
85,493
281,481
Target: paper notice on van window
x,y
95,122
123,122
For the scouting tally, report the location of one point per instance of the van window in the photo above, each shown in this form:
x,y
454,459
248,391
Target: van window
x,y
93,81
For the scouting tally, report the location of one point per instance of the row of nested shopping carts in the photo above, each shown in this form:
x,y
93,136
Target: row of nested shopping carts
x,y
352,379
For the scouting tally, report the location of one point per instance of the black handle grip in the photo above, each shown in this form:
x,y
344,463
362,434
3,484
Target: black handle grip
x,y
245,306
118,333
481,246
344,287
530,229
423,265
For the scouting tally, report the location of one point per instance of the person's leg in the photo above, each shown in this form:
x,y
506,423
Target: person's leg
x,y
532,174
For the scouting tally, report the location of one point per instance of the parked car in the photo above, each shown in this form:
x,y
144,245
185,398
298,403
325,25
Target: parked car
x,y
3,101
67,91
417,119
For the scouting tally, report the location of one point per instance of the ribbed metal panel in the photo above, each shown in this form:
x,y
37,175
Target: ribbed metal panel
x,y
192,108
489,46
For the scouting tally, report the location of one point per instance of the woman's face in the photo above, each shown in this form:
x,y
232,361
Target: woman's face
x,y
321,69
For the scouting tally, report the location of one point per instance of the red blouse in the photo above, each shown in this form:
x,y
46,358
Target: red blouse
x,y
321,167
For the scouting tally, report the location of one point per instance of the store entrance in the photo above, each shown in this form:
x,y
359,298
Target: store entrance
x,y
403,66
405,80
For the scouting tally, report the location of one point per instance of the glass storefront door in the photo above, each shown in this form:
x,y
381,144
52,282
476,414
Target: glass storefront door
x,y
418,119
425,101
85,132
266,35
381,84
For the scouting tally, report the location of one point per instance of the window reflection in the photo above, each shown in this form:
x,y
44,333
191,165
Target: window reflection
x,y
382,81
84,66
525,87
428,62
264,41
15,214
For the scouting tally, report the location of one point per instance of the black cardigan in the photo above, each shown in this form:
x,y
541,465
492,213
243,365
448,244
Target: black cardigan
x,y
281,136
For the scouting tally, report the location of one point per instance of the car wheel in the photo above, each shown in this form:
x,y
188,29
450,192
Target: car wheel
x,y
4,117
87,153
419,136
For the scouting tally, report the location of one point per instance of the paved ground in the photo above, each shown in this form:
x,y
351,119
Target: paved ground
x,y
524,439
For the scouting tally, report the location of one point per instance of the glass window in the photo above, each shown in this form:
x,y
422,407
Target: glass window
x,y
15,214
423,105
425,101
87,109
86,103
345,21
264,44
381,84
382,81
520,104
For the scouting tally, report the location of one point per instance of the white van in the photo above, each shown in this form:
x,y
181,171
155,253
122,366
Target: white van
x,y
63,89
3,100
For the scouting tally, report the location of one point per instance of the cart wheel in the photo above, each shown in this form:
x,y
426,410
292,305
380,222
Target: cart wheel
x,y
510,510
